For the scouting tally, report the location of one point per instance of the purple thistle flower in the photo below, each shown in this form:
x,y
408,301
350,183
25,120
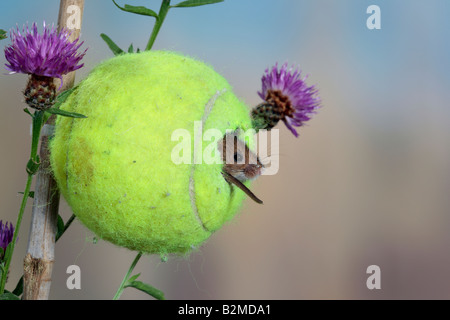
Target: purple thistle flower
x,y
287,97
44,56
6,236
49,54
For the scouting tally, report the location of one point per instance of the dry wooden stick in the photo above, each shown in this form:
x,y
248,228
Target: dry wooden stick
x,y
38,264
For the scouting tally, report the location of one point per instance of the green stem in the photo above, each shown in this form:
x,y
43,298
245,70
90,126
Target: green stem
x,y
16,231
38,121
165,6
37,126
127,276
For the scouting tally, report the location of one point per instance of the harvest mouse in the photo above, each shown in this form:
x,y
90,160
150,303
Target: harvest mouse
x,y
240,163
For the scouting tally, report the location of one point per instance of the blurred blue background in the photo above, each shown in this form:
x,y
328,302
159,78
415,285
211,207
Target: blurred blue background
x,y
366,183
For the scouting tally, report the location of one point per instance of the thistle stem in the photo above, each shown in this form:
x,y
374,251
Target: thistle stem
x,y
36,132
165,6
16,231
127,276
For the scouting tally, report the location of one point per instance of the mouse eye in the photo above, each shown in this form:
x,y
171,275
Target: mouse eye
x,y
237,157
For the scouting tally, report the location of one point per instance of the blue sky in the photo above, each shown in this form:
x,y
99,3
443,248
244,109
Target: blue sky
x,y
328,39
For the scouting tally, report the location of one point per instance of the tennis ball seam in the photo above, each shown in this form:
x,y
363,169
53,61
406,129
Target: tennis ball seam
x,y
208,107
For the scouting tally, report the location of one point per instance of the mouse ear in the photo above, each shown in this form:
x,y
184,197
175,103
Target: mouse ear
x,y
226,146
237,132
234,133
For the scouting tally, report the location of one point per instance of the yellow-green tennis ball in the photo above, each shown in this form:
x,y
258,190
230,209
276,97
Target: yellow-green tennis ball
x,y
115,167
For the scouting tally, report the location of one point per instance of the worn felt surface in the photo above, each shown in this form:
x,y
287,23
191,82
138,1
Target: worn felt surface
x,y
115,168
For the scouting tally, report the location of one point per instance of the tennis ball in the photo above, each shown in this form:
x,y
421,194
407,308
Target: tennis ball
x,y
115,167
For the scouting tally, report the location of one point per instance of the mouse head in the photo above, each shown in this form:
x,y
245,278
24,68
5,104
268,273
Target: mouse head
x,y
239,161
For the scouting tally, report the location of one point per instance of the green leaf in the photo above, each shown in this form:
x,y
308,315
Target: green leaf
x,y
28,112
8,252
131,279
1,252
63,227
195,3
155,293
19,287
131,49
60,226
9,296
30,194
2,34
65,113
62,97
137,10
114,47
